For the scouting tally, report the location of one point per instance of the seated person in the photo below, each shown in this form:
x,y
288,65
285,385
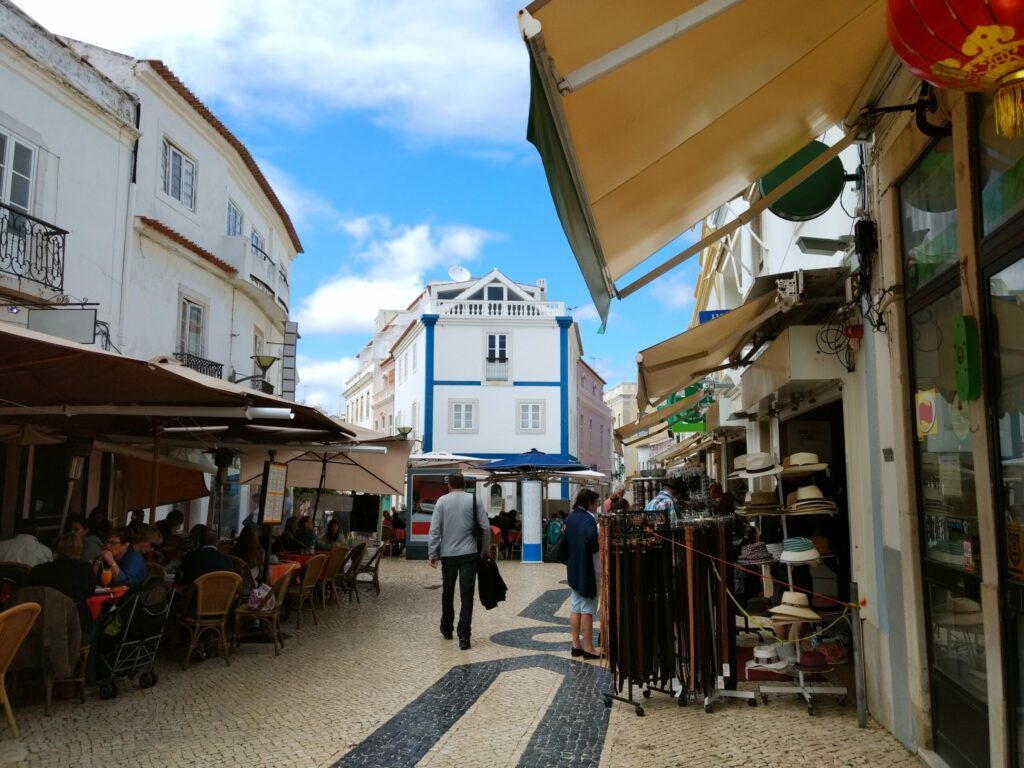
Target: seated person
x,y
138,519
168,527
306,535
206,559
68,574
127,565
248,548
287,542
24,547
397,522
331,535
91,544
147,541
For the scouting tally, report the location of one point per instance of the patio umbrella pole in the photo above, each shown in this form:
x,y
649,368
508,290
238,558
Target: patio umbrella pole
x,y
320,487
154,479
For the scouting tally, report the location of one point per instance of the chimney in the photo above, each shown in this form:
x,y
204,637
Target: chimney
x,y
543,285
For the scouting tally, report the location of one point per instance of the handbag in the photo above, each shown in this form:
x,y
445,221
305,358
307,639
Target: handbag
x,y
558,550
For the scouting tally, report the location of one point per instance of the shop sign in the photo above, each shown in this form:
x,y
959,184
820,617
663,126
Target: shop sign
x,y
706,315
926,413
1015,550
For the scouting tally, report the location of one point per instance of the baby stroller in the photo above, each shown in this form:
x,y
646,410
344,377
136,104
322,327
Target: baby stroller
x,y
129,635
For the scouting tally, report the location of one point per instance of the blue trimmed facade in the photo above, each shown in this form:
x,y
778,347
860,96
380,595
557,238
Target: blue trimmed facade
x,y
430,323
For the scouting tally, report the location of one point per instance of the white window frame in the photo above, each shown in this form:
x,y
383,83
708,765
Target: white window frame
x,y
258,241
236,217
167,155
542,417
415,349
415,418
184,303
502,288
474,406
487,345
7,173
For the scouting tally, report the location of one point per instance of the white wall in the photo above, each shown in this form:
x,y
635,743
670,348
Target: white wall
x,y
460,349
497,412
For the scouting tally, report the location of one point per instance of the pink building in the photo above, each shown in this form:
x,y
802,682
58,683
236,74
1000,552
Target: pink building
x,y
594,438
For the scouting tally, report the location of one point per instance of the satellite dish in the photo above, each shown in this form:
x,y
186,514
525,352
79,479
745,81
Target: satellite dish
x,y
459,274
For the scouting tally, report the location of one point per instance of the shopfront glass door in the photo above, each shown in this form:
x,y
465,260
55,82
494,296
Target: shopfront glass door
x,y
1006,320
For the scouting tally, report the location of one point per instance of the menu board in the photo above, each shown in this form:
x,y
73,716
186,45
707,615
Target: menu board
x,y
273,492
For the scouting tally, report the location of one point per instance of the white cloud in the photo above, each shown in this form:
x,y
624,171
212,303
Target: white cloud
x,y
586,313
428,71
321,382
387,273
674,291
303,204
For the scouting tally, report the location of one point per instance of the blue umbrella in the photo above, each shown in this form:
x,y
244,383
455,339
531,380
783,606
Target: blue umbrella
x,y
535,461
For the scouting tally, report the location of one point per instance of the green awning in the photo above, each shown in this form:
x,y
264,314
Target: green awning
x,y
542,132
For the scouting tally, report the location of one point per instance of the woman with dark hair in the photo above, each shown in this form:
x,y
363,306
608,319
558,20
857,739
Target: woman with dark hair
x,y
248,549
333,533
287,542
91,543
581,571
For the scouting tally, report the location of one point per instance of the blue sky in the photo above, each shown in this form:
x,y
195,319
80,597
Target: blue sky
x,y
395,135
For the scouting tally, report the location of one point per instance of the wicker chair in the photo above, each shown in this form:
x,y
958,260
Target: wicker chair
x,y
305,591
335,560
346,578
155,569
212,596
15,623
371,570
267,614
242,568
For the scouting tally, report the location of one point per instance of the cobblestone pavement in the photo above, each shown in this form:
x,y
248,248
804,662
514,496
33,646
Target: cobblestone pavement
x,y
375,685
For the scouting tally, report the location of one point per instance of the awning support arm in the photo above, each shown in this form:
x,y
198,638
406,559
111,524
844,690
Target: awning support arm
x,y
755,209
644,44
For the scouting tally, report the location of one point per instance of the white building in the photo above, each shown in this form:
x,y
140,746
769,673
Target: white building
x,y
621,400
133,219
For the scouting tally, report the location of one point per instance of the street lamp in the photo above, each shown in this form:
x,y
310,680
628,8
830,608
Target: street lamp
x,y
263,362
404,432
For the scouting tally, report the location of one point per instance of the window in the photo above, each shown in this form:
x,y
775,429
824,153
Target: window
x,y
928,212
259,245
257,349
495,293
531,416
415,418
496,364
190,331
178,172
17,160
415,345
234,220
462,416
497,348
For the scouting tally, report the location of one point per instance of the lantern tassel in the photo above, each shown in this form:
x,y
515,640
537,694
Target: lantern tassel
x,y
1009,103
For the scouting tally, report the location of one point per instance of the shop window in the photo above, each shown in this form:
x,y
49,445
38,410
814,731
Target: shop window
x,y
1000,171
928,217
943,430
958,637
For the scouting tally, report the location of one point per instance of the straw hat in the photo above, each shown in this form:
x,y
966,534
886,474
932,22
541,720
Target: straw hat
x,y
799,550
960,612
795,605
775,549
767,657
802,464
756,465
755,554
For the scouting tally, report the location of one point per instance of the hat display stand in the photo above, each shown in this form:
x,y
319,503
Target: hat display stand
x,y
802,687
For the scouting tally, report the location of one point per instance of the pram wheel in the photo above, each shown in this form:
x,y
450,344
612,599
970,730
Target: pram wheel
x,y
108,689
147,679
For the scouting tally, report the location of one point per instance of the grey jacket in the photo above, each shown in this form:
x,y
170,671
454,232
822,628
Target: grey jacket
x,y
451,528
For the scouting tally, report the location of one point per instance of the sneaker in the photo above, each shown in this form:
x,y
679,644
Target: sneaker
x,y
463,643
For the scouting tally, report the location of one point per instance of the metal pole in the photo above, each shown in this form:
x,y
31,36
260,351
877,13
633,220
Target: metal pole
x,y
320,488
858,657
154,479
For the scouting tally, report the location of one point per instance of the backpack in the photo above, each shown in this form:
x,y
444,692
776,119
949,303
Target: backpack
x,y
558,550
555,527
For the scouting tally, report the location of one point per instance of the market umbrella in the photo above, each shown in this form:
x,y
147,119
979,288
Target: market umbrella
x,y
536,461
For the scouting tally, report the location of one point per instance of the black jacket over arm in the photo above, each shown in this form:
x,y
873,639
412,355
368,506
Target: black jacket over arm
x,y
581,534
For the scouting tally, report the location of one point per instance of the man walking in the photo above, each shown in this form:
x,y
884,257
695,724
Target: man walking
x,y
453,543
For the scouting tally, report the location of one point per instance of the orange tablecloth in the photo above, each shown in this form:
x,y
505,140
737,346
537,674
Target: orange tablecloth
x,y
96,602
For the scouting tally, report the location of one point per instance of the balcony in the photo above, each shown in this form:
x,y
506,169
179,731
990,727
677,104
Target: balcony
x,y
266,281
262,385
517,310
496,370
31,249
200,364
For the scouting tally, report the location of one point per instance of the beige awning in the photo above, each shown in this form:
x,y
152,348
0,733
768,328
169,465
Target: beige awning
x,y
679,449
649,115
678,362
656,417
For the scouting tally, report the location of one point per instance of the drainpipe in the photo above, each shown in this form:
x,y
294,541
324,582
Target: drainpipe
x,y
129,215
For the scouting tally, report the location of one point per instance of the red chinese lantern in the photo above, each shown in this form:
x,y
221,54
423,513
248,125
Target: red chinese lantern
x,y
973,45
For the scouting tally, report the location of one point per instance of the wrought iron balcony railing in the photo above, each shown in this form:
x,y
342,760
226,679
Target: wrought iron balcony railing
x,y
262,385
31,248
200,364
496,370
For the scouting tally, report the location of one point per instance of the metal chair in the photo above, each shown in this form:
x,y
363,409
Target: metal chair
x,y
213,595
15,623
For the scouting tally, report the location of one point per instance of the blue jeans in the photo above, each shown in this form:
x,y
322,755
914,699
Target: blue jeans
x,y
462,567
